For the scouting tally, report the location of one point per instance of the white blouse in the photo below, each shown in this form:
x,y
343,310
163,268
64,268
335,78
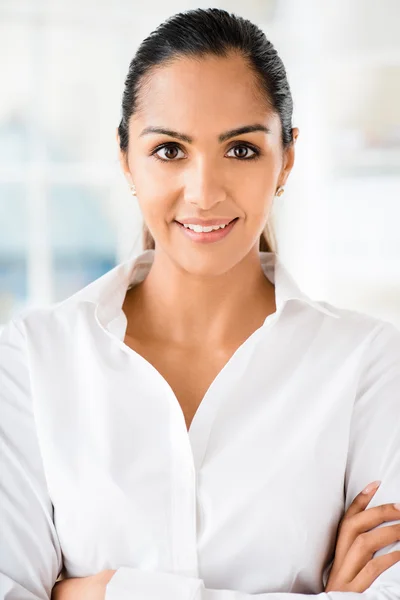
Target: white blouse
x,y
98,470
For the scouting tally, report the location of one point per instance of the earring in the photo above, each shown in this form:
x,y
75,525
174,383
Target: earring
x,y
280,191
133,189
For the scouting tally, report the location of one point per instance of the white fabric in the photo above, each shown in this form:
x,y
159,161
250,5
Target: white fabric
x,y
99,472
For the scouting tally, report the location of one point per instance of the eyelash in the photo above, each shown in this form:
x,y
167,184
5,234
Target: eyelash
x,y
255,156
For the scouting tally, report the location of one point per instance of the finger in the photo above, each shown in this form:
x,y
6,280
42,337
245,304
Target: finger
x,y
362,499
364,548
372,570
364,521
372,517
346,533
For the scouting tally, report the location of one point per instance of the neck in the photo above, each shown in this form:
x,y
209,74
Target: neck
x,y
192,310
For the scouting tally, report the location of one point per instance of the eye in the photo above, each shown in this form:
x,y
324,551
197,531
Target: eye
x,y
243,154
171,152
170,149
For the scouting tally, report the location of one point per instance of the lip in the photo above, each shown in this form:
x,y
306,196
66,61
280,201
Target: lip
x,y
207,237
205,222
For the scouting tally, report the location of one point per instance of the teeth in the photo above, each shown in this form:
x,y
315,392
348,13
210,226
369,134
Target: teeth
x,y
200,229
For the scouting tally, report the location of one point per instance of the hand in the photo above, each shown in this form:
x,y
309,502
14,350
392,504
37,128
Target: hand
x,y
354,569
82,588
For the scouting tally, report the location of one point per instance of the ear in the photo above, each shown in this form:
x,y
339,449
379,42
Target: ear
x,y
289,157
123,160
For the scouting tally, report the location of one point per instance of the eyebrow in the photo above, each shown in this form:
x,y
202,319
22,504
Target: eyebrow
x,y
221,138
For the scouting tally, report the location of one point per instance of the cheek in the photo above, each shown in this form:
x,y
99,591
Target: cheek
x,y
261,189
258,181
156,204
257,199
155,180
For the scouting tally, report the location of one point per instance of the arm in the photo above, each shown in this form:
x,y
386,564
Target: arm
x,y
30,554
374,453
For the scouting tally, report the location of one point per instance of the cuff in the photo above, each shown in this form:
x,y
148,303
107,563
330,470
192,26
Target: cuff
x,y
133,584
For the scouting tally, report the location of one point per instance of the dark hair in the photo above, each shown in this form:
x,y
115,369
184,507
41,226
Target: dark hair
x,y
201,32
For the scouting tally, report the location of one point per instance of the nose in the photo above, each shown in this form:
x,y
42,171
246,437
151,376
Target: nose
x,y
204,185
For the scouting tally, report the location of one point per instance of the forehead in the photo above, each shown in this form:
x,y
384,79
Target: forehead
x,y
202,90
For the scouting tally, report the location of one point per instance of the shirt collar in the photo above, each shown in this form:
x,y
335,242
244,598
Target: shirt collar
x,y
108,292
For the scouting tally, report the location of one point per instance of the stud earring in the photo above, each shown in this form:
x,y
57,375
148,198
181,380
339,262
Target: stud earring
x,y
133,189
280,191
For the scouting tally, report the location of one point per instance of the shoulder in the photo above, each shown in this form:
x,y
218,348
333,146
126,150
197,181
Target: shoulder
x,y
46,322
358,322
357,338
376,341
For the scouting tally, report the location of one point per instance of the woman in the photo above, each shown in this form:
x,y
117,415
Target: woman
x,y
191,425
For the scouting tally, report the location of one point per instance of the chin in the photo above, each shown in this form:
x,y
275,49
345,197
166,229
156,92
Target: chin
x,y
208,261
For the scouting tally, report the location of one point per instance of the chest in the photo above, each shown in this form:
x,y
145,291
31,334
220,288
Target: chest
x,y
188,373
269,483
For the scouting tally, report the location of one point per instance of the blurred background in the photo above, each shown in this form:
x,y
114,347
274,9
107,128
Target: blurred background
x,y
66,214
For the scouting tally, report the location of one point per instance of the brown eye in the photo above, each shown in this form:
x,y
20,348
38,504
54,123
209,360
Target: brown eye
x,y
242,152
170,152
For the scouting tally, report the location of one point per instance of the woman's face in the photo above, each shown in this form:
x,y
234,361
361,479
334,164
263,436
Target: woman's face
x,y
207,173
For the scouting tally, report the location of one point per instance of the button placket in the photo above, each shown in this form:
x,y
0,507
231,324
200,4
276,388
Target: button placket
x,y
183,501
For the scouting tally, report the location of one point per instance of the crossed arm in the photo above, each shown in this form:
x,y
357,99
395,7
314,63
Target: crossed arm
x,y
30,552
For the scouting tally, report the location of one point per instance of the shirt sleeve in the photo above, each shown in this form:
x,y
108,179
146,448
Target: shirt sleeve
x,y
374,453
30,553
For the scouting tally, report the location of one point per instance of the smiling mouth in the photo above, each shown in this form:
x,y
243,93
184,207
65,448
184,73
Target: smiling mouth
x,y
235,219
205,237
